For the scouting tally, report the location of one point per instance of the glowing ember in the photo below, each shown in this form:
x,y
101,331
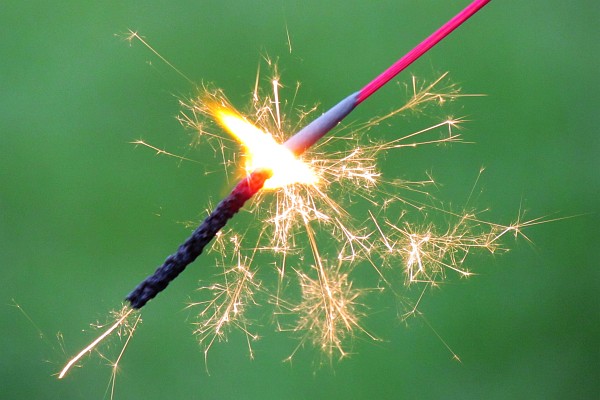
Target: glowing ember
x,y
262,151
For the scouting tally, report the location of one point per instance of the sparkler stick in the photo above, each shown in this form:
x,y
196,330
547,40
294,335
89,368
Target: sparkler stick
x,y
297,144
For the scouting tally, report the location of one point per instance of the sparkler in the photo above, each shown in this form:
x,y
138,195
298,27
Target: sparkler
x,y
297,144
329,311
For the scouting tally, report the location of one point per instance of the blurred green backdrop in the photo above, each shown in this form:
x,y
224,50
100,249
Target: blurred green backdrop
x,y
84,215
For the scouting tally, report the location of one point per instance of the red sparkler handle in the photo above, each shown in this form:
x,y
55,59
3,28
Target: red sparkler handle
x,y
420,49
318,128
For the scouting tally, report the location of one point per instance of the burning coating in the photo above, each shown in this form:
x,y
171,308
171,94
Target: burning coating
x,y
193,246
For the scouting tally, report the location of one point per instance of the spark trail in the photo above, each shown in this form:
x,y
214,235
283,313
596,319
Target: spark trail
x,y
297,144
122,321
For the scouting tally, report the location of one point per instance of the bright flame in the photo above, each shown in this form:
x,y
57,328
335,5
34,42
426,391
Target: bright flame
x,y
262,151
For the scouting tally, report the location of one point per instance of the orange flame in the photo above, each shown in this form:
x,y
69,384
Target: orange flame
x,y
262,151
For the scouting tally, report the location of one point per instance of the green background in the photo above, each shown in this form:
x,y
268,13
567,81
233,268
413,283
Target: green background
x,y
84,215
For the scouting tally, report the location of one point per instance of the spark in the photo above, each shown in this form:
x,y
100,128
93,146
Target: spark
x,y
328,313
160,151
289,40
227,304
131,35
123,314
31,321
115,364
276,102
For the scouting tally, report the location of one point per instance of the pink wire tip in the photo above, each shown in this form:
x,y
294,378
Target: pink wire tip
x,y
420,49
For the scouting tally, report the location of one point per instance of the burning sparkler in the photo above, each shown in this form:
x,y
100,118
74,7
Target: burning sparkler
x,y
297,144
299,190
